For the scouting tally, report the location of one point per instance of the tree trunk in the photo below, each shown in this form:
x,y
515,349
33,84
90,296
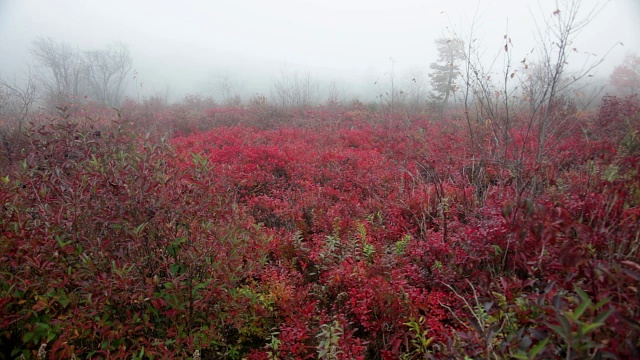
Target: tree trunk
x,y
449,80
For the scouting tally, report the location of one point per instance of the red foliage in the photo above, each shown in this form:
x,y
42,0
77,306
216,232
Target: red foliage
x,y
618,116
626,77
322,233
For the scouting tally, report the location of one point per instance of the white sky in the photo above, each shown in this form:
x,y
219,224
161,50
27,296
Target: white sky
x,y
184,44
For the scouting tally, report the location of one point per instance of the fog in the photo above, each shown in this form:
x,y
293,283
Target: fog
x,y
189,46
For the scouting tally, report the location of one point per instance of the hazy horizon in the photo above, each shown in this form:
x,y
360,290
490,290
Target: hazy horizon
x,y
185,48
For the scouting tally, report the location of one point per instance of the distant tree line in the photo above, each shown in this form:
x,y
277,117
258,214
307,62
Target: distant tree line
x,y
68,74
65,74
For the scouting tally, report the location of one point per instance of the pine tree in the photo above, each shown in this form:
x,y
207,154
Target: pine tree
x,y
446,69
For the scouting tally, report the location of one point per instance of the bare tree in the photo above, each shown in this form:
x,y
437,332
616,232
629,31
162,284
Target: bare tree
x,y
532,95
292,90
556,35
229,91
63,69
416,90
106,71
391,96
334,94
16,103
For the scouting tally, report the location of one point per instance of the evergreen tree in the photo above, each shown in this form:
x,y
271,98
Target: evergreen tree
x,y
446,69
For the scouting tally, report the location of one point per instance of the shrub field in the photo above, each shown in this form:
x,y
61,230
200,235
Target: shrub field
x,y
329,233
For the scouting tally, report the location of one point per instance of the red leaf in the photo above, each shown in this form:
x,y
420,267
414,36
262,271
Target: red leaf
x,y
158,303
40,305
631,263
170,313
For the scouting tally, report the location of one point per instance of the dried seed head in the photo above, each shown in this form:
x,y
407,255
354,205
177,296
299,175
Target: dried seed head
x,y
42,353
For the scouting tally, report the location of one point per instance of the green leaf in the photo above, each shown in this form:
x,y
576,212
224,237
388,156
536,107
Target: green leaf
x,y
521,356
427,342
63,299
61,241
590,327
27,337
172,250
603,316
580,309
42,329
538,348
175,269
139,229
565,323
558,329
602,303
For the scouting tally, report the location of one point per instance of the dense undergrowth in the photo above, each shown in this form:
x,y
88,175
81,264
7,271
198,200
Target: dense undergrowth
x,y
328,233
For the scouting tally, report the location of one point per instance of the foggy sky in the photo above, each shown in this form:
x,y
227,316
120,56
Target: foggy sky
x,y
184,46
